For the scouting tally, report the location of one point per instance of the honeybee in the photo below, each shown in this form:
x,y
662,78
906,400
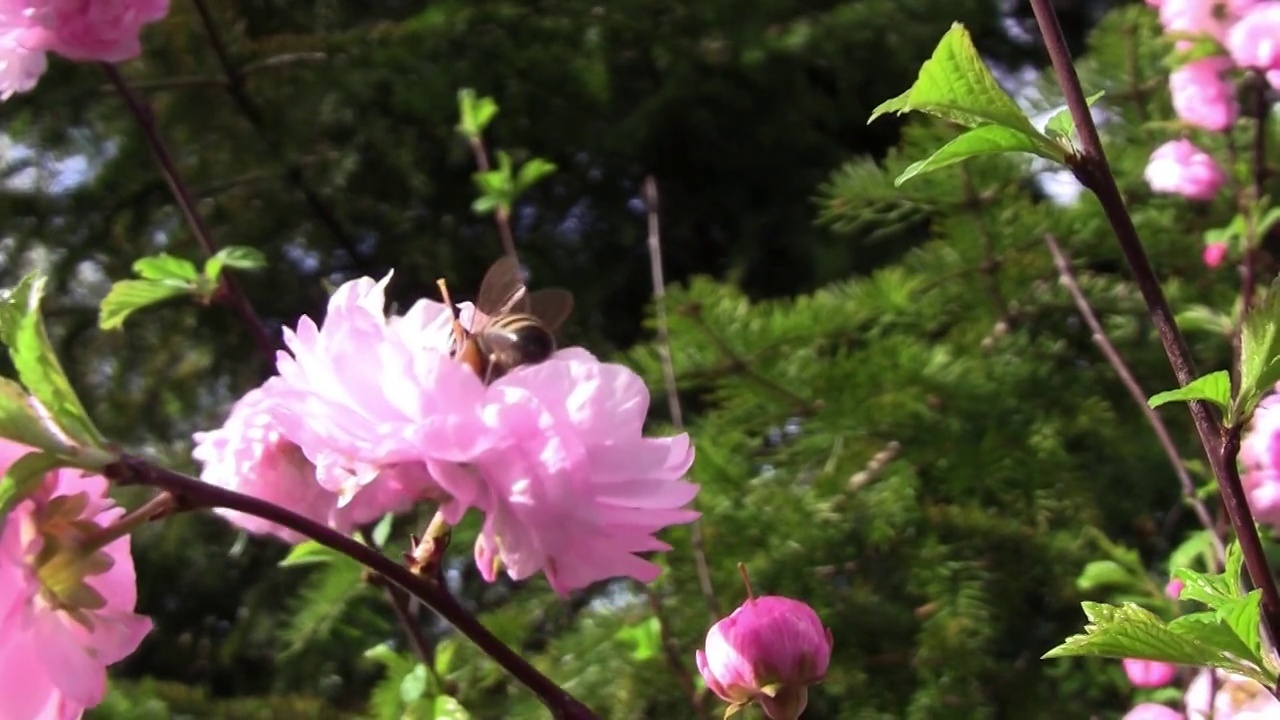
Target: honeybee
x,y
516,327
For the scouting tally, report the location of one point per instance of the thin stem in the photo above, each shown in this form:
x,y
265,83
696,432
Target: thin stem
x,y
499,215
160,505
669,379
672,652
1068,279
1221,447
236,296
194,494
293,169
399,603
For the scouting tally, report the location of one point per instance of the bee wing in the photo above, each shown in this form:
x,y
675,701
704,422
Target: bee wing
x,y
551,306
502,290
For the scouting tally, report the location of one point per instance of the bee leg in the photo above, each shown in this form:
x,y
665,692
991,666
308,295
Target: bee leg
x,y
489,366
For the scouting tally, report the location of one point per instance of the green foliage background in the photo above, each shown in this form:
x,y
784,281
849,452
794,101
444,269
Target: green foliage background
x,y
898,414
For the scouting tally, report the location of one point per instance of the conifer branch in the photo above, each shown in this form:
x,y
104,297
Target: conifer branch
x,y
1221,445
234,293
1068,279
194,494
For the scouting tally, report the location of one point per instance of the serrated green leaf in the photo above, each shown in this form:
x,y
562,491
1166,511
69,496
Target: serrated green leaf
x,y
382,653
1208,628
445,650
129,296
1130,631
484,204
1104,574
1196,546
447,708
22,478
1213,590
1062,126
22,423
308,552
531,172
1244,617
165,267
955,84
240,257
1214,387
414,684
986,140
475,113
37,363
1259,353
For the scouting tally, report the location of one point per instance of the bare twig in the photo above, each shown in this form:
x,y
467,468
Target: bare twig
x,y
1068,279
669,379
1222,446
234,293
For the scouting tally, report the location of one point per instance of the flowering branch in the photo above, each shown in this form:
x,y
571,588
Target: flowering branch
x,y
1222,446
1099,335
195,494
237,298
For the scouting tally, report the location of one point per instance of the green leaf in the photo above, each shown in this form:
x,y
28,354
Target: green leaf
x,y
1196,546
645,638
1214,387
1259,353
129,296
447,708
1130,631
484,204
240,257
23,423
1244,617
1212,590
1062,126
37,364
533,171
23,477
445,651
382,530
414,684
1208,628
985,140
475,113
1103,574
308,552
1269,219
956,85
165,267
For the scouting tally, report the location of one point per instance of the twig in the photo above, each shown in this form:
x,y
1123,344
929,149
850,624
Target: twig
x,y
1221,446
499,215
669,379
236,296
671,651
293,169
1068,279
128,470
399,603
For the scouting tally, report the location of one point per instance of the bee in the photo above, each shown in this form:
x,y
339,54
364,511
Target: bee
x,y
514,326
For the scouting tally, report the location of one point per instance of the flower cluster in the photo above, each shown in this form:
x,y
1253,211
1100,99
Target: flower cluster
x,y
370,414
85,30
1260,462
1222,37
67,595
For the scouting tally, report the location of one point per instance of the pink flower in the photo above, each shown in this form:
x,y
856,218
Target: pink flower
x,y
1174,588
1178,167
249,455
20,66
1207,17
1254,41
1201,96
1152,711
1236,698
1149,673
1260,461
66,609
1214,254
767,651
92,30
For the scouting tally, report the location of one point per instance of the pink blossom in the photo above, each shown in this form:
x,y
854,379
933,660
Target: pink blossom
x,y
1260,461
1202,17
1149,673
1174,588
767,641
1254,41
1201,96
92,30
249,455
1152,711
20,66
66,609
1236,698
1178,167
1214,254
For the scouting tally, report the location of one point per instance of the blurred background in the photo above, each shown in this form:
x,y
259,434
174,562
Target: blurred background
x,y
899,416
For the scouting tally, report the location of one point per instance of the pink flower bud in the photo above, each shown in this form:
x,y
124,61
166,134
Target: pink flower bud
x,y
1201,96
1178,167
1149,673
1174,588
1255,40
767,651
1152,711
1214,254
1202,17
